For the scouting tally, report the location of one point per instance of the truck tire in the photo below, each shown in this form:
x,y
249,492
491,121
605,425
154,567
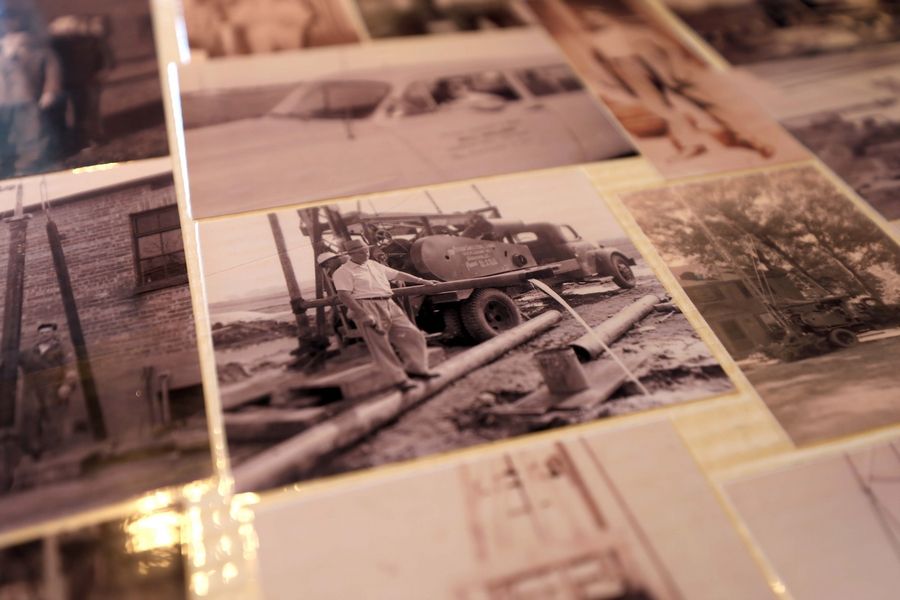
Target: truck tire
x,y
842,338
622,273
488,312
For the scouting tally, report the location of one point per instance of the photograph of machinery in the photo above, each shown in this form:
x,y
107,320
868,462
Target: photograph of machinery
x,y
582,517
80,85
513,321
139,557
334,122
800,286
100,391
817,509
685,117
750,31
846,109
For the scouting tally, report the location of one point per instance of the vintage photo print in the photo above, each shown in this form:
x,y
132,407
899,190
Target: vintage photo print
x,y
622,513
686,118
394,114
751,31
800,286
100,392
80,85
140,557
474,342
846,109
218,28
392,18
806,517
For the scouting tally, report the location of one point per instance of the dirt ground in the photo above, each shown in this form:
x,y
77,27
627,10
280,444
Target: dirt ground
x,y
678,368
837,394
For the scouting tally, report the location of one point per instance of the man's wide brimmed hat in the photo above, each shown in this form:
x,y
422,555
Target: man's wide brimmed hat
x,y
324,257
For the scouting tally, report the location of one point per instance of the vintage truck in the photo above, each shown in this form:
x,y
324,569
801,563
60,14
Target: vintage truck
x,y
484,261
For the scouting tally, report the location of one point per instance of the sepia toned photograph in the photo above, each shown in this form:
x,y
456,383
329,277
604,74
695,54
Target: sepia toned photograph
x,y
799,285
81,85
751,31
392,18
846,109
805,517
619,514
388,115
517,305
100,391
218,28
685,117
139,557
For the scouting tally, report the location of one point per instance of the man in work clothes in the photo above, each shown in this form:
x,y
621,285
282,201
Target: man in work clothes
x,y
48,384
363,286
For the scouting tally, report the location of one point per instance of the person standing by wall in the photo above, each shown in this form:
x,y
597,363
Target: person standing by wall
x,y
30,85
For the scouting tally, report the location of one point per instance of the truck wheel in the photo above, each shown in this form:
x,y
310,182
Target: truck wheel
x,y
489,312
622,273
842,338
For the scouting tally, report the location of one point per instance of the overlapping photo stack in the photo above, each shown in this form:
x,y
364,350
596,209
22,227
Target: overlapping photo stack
x,y
465,299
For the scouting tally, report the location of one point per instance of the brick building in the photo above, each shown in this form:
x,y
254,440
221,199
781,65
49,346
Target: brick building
x,y
124,250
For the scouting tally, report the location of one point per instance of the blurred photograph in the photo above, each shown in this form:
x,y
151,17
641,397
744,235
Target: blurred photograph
x,y
751,31
819,508
800,286
391,18
384,116
218,28
846,109
685,118
618,514
436,319
80,85
100,391
139,557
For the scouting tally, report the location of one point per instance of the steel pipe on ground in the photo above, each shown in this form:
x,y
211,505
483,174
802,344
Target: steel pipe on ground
x,y
292,458
588,347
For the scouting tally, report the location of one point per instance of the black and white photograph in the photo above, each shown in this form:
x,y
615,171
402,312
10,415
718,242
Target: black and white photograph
x,y
802,289
806,516
685,117
81,85
139,557
846,109
392,18
750,31
100,392
217,28
620,514
522,305
395,114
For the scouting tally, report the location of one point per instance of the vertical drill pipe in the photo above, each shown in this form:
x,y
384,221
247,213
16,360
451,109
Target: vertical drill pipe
x,y
12,319
290,278
83,360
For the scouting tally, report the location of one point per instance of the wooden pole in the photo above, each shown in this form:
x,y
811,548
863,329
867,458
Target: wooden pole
x,y
83,360
12,313
303,329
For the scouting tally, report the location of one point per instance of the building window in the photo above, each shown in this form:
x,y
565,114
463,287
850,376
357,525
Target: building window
x,y
158,248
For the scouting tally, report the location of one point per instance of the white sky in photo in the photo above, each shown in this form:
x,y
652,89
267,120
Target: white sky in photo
x,y
68,183
403,54
240,261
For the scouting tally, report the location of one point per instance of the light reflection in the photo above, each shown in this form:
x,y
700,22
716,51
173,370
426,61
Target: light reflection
x,y
778,587
153,531
229,572
200,584
155,501
94,168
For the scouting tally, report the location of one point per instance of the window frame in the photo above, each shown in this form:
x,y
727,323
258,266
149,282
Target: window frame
x,y
175,280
